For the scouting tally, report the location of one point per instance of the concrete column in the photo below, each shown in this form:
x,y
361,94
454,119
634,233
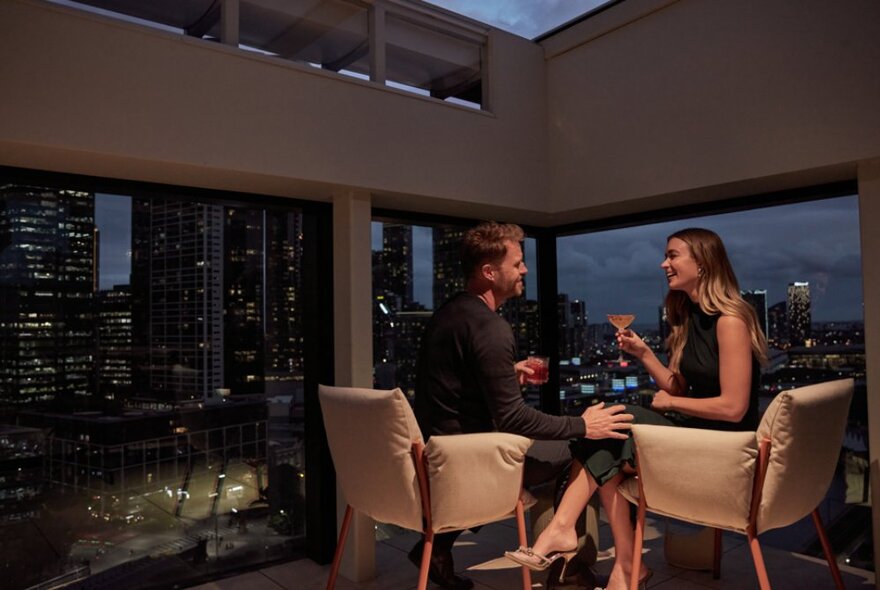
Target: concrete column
x,y
353,335
869,218
376,32
229,22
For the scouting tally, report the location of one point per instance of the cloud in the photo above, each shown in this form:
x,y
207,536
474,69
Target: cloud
x,y
769,248
526,18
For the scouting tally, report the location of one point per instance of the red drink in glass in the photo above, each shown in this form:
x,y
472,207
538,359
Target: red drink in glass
x,y
541,367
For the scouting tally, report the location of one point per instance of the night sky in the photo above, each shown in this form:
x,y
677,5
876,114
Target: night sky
x,y
618,271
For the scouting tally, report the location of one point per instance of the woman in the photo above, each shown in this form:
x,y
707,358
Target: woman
x,y
715,351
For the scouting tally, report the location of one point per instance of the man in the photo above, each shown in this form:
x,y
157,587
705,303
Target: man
x,y
468,379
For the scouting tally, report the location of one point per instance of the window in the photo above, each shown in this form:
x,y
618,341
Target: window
x,y
423,50
152,382
798,264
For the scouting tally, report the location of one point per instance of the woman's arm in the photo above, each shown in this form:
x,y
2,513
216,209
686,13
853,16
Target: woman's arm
x,y
668,380
735,374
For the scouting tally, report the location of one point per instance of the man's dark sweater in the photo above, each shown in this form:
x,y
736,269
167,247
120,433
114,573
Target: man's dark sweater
x,y
466,381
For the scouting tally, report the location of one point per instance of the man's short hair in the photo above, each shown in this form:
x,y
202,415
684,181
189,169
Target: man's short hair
x,y
486,243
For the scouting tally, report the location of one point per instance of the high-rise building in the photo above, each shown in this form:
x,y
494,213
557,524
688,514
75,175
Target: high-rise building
x,y
397,259
758,299
177,283
448,276
284,344
777,325
572,327
524,318
114,366
244,362
799,314
48,274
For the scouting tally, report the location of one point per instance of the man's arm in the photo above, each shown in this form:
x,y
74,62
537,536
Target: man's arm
x,y
494,350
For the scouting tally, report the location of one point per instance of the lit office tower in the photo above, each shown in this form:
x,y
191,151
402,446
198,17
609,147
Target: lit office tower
x,y
777,325
244,356
572,327
397,259
114,366
758,299
448,277
284,241
799,315
47,278
524,318
177,307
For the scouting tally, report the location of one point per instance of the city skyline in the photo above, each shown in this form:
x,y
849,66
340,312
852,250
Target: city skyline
x,y
815,242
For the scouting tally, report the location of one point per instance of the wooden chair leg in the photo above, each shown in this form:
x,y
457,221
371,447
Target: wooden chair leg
x,y
716,558
523,541
826,548
758,558
426,560
340,547
638,541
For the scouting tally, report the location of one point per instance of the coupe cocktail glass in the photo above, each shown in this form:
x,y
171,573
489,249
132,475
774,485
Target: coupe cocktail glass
x,y
621,321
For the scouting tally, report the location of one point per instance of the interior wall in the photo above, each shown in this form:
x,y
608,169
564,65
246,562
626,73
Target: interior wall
x,y
869,215
92,95
671,97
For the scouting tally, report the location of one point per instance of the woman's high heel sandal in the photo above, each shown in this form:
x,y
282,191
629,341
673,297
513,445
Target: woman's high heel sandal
x,y
537,562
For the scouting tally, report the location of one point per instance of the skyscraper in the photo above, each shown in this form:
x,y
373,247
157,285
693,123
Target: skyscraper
x,y
177,280
777,325
799,314
448,277
244,362
572,327
114,366
397,259
758,299
283,281
47,281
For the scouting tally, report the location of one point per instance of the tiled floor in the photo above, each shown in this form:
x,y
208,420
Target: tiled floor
x,y
480,558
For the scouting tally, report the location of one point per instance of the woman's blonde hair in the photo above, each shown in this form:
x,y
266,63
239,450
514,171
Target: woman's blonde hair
x,y
717,291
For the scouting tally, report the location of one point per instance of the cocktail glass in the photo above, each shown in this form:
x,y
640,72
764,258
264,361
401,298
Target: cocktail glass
x,y
621,321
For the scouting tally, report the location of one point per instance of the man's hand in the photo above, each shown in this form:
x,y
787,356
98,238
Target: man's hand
x,y
608,422
523,371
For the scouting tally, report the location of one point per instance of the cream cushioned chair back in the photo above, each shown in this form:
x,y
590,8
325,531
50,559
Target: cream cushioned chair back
x,y
475,478
370,433
805,427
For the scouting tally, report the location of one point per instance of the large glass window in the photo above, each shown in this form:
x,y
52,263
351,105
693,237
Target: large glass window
x,y
151,385
798,264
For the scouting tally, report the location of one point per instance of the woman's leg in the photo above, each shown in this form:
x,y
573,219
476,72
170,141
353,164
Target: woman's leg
x,y
560,534
617,510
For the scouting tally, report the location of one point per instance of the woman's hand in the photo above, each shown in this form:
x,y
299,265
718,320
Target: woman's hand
x,y
662,401
630,342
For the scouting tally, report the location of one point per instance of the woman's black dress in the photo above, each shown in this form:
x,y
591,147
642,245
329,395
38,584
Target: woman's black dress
x,y
699,366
